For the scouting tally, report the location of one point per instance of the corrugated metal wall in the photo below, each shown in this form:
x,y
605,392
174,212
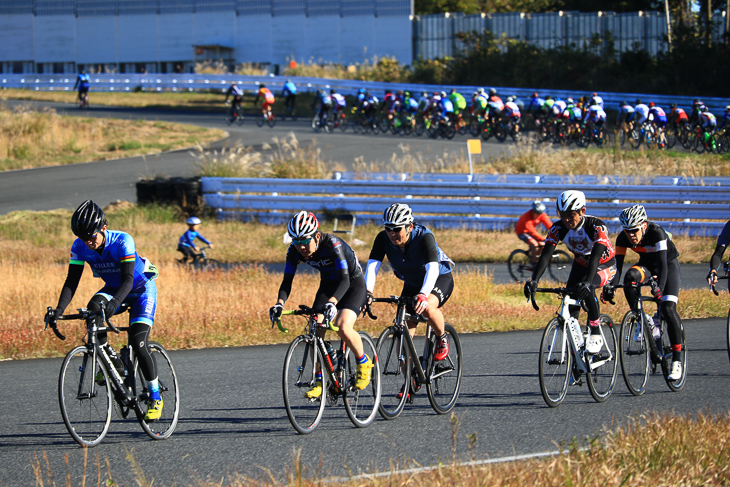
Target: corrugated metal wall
x,y
434,36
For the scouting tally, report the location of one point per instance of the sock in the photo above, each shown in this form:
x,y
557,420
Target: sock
x,y
593,327
319,378
362,359
154,386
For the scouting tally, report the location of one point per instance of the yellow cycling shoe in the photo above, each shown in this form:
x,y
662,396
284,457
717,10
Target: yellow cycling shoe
x,y
154,410
363,374
315,391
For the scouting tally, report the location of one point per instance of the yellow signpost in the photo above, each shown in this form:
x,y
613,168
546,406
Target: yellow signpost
x,y
474,146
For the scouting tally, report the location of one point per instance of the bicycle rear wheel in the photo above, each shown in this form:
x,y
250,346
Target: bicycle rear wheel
x,y
362,406
554,364
163,427
519,265
342,123
444,376
666,351
395,372
634,351
299,376
604,364
271,121
86,407
559,266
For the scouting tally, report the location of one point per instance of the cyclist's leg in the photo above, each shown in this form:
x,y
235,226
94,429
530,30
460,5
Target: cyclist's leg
x,y
635,275
350,307
534,247
669,307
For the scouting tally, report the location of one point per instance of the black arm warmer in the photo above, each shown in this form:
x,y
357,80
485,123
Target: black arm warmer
x,y
69,287
547,254
127,271
716,258
596,253
285,288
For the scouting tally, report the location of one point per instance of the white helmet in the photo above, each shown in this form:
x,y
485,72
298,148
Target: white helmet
x,y
397,215
193,220
571,200
303,225
632,217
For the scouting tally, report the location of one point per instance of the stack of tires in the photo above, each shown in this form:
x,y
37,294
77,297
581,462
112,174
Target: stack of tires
x,y
184,192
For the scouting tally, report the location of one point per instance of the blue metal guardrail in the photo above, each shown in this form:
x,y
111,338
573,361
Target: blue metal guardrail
x,y
475,205
220,83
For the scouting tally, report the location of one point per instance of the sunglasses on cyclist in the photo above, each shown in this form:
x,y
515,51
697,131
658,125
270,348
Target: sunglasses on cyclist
x,y
632,231
301,241
566,214
393,229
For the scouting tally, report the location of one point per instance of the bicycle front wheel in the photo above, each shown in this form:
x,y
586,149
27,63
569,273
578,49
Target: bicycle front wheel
x,y
163,427
519,265
554,365
604,364
395,372
634,351
444,376
674,385
362,406
559,266
260,120
302,361
86,407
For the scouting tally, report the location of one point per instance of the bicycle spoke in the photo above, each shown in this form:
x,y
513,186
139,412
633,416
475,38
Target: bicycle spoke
x,y
634,351
85,405
554,364
298,378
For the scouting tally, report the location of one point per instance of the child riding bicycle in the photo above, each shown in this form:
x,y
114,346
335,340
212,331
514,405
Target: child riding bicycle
x,y
186,244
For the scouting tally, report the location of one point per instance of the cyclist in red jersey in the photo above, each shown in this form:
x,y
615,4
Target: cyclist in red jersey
x,y
595,259
526,228
268,100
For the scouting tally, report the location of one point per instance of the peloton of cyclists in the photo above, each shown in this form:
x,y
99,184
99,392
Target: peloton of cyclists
x,y
418,261
341,294
658,257
594,265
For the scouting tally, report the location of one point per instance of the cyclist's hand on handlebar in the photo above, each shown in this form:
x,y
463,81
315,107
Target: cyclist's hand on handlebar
x,y
111,308
656,292
420,303
330,312
51,317
584,290
275,313
530,287
607,295
712,277
369,298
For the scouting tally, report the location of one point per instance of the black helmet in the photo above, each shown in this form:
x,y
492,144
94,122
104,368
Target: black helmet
x,y
87,220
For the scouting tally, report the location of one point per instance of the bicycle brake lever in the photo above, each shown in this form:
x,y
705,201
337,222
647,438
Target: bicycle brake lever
x,y
53,327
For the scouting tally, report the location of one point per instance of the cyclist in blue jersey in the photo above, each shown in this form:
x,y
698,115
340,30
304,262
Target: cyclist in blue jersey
x,y
323,105
418,261
82,82
128,278
289,93
723,240
341,294
186,244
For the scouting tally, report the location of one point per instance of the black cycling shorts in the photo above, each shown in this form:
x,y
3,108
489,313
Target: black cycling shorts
x,y
442,289
354,298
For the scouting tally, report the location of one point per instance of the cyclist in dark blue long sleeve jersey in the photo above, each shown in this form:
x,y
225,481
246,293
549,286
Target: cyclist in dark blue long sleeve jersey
x,y
341,292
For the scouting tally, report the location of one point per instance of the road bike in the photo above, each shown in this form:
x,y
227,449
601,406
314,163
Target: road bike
x,y
564,359
441,127
322,122
266,118
310,353
340,121
84,101
403,371
89,384
235,114
201,261
726,268
639,349
520,265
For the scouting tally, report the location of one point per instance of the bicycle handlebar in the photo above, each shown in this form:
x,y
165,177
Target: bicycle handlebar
x,y
564,291
712,286
82,315
399,300
303,310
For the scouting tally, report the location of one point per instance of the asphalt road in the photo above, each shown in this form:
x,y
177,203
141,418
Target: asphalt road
x,y
232,419
108,181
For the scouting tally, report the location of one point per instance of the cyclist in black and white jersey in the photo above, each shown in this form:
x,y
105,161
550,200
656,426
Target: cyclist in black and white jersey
x,y
658,257
723,240
341,291
594,265
418,261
